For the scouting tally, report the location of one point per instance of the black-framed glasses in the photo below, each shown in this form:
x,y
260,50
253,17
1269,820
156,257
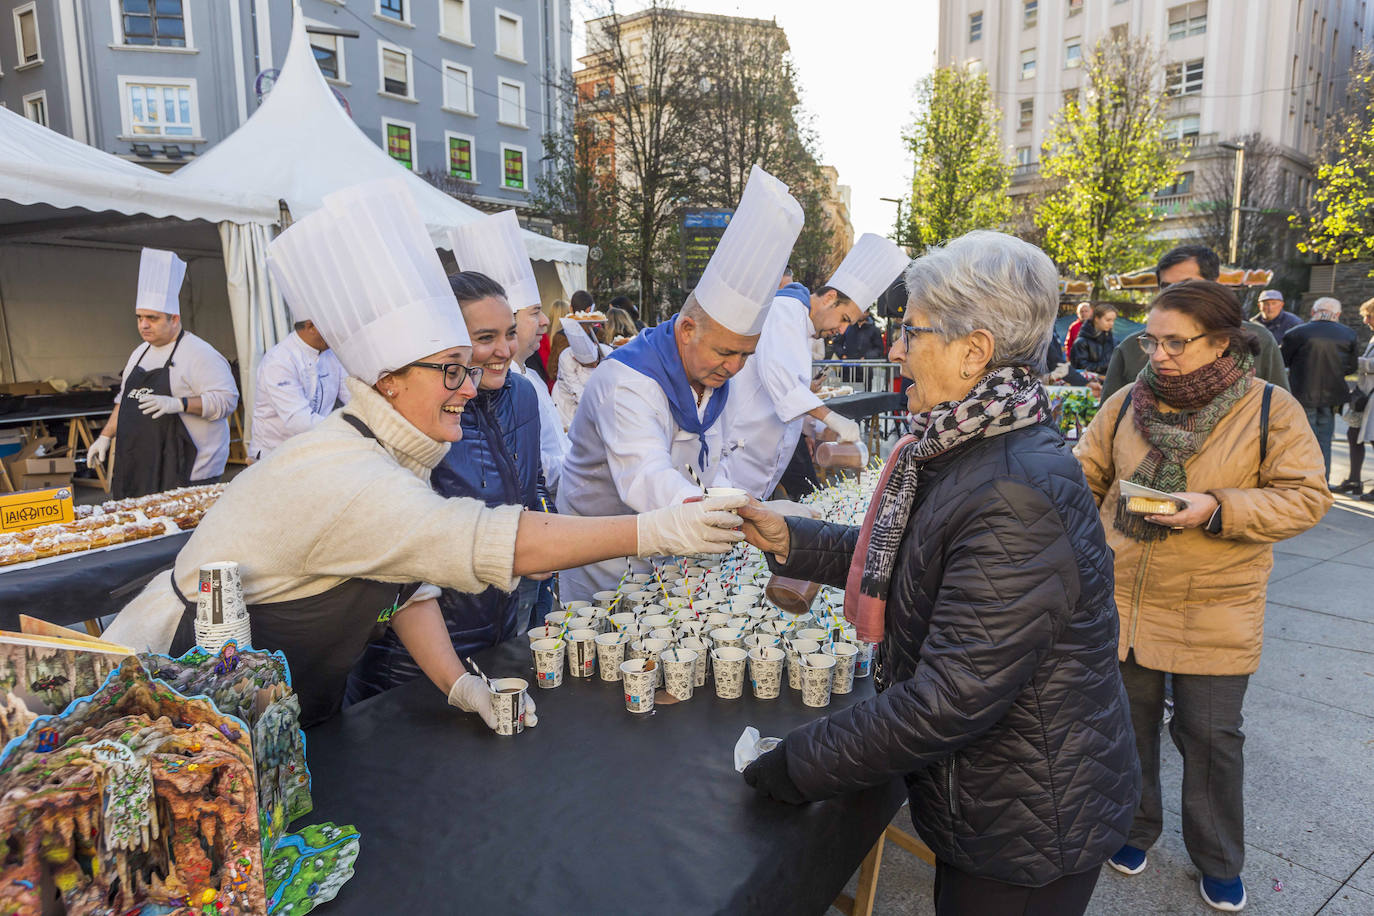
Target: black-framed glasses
x,y
911,330
455,373
1174,346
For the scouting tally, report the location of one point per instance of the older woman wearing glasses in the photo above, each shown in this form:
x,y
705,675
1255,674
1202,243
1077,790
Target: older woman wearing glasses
x,y
1243,466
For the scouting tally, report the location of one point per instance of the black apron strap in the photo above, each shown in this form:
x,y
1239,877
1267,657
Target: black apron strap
x,y
360,426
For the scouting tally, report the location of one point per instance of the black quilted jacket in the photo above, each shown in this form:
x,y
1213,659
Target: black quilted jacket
x,y
1004,708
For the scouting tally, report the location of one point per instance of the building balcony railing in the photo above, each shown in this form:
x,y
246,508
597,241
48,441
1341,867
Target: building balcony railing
x,y
1024,171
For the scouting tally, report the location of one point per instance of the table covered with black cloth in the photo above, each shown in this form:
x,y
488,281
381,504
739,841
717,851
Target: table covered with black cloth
x,y
867,404
77,587
595,810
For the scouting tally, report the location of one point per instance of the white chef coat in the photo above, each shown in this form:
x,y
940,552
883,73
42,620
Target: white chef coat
x,y
553,442
298,386
768,400
198,370
628,455
571,381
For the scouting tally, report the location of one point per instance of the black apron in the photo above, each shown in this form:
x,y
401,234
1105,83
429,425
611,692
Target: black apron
x,y
322,636
151,455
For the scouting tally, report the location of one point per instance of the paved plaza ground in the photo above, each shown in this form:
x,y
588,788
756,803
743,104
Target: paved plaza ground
x,y
1309,750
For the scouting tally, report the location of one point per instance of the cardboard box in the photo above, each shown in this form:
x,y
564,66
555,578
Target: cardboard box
x,y
27,388
30,470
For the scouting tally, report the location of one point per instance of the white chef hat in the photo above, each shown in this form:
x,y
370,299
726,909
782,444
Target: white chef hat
x,y
365,271
869,269
582,341
159,281
742,276
493,245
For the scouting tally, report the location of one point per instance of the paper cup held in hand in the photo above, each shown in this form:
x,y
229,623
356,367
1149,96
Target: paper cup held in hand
x,y
508,704
548,662
639,685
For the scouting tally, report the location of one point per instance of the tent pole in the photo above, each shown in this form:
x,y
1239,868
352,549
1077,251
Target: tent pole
x,y
5,340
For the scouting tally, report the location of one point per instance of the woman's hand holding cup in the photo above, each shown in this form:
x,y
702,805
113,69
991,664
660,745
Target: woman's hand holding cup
x,y
767,530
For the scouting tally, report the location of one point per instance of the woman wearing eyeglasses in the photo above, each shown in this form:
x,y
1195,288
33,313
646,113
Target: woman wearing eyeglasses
x,y
1190,585
338,532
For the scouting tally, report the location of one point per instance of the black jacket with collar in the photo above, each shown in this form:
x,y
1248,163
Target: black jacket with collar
x,y
1320,354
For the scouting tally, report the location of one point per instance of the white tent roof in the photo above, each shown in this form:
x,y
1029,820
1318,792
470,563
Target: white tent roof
x,y
301,144
41,166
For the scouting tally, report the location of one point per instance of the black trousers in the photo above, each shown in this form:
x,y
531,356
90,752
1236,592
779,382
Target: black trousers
x,y
958,893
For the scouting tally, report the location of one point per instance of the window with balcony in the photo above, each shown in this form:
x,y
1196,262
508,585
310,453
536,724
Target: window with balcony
x,y
400,141
1030,13
1025,114
510,39
153,23
458,87
1183,184
511,97
328,51
26,35
159,108
36,107
1183,78
460,157
1028,64
393,9
512,167
396,66
1073,53
1025,156
455,20
1184,130
975,26
1187,19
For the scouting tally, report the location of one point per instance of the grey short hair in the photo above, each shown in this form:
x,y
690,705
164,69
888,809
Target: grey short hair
x,y
1328,306
992,281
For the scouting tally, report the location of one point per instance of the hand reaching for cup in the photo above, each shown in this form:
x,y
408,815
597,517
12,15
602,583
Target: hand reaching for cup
x,y
707,525
767,530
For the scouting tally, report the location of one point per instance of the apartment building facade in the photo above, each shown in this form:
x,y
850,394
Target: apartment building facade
x,y
461,90
1232,68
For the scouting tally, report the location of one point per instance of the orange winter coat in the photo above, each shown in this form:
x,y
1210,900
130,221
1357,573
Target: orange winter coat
x,y
1193,603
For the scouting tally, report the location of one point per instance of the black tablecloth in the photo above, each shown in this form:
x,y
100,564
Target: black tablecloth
x,y
594,811
867,404
78,588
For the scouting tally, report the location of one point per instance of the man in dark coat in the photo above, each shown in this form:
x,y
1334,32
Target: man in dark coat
x,y
1320,354
1275,318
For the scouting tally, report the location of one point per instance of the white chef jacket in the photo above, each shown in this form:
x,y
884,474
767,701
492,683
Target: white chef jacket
x,y
768,400
571,381
627,457
198,370
298,386
553,442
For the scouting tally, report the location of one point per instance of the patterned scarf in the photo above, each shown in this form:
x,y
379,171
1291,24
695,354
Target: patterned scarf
x,y
1003,400
1200,399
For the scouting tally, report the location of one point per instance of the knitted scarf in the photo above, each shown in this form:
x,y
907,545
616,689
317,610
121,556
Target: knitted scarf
x,y
1003,400
1200,399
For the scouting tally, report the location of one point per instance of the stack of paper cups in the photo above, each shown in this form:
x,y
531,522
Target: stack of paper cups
x,y
221,614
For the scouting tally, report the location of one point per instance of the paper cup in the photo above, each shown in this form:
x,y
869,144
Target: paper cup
x,y
816,633
640,578
640,598
653,648
508,704
798,648
752,591
690,627
774,627
698,645
581,648
221,614
560,619
679,672
816,671
863,662
845,655
667,634
545,632
656,621
548,662
576,606
621,619
728,663
639,685
726,491
605,598
754,640
765,671
727,636
610,652
717,619
674,603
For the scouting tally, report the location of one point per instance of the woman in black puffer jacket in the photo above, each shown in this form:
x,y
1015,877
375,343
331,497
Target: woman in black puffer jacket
x,y
983,571
1092,349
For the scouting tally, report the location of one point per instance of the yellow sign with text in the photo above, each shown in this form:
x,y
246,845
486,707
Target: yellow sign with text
x,y
32,508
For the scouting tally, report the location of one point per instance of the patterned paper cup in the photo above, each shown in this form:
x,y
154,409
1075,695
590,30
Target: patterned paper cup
x,y
508,704
653,648
640,598
698,645
798,648
639,578
581,645
816,633
679,670
610,652
656,621
690,627
727,636
752,591
604,598
717,619
545,631
667,634
816,671
863,663
621,619
765,671
548,662
560,619
639,685
776,627
728,663
754,640
845,656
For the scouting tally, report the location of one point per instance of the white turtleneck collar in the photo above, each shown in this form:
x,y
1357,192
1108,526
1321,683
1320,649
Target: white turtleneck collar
x,y
411,448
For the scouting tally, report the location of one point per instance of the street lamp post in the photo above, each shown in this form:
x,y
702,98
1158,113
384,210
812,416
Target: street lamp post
x,y
1239,150
898,201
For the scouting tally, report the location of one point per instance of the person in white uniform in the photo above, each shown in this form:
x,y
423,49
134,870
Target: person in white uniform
x,y
485,245
576,364
299,383
170,425
772,396
651,410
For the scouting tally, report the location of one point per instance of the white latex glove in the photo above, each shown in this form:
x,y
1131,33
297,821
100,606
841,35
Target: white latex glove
x,y
787,507
159,405
470,694
845,428
705,526
98,452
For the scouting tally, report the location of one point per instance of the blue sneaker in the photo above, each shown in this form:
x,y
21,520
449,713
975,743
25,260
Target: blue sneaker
x,y
1128,860
1223,895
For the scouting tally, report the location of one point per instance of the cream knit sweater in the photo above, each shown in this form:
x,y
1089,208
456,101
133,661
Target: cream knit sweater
x,y
331,505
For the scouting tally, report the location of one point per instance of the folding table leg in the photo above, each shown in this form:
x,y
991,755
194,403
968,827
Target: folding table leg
x,y
861,904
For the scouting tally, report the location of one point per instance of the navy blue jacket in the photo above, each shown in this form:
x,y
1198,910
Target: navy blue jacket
x,y
496,461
